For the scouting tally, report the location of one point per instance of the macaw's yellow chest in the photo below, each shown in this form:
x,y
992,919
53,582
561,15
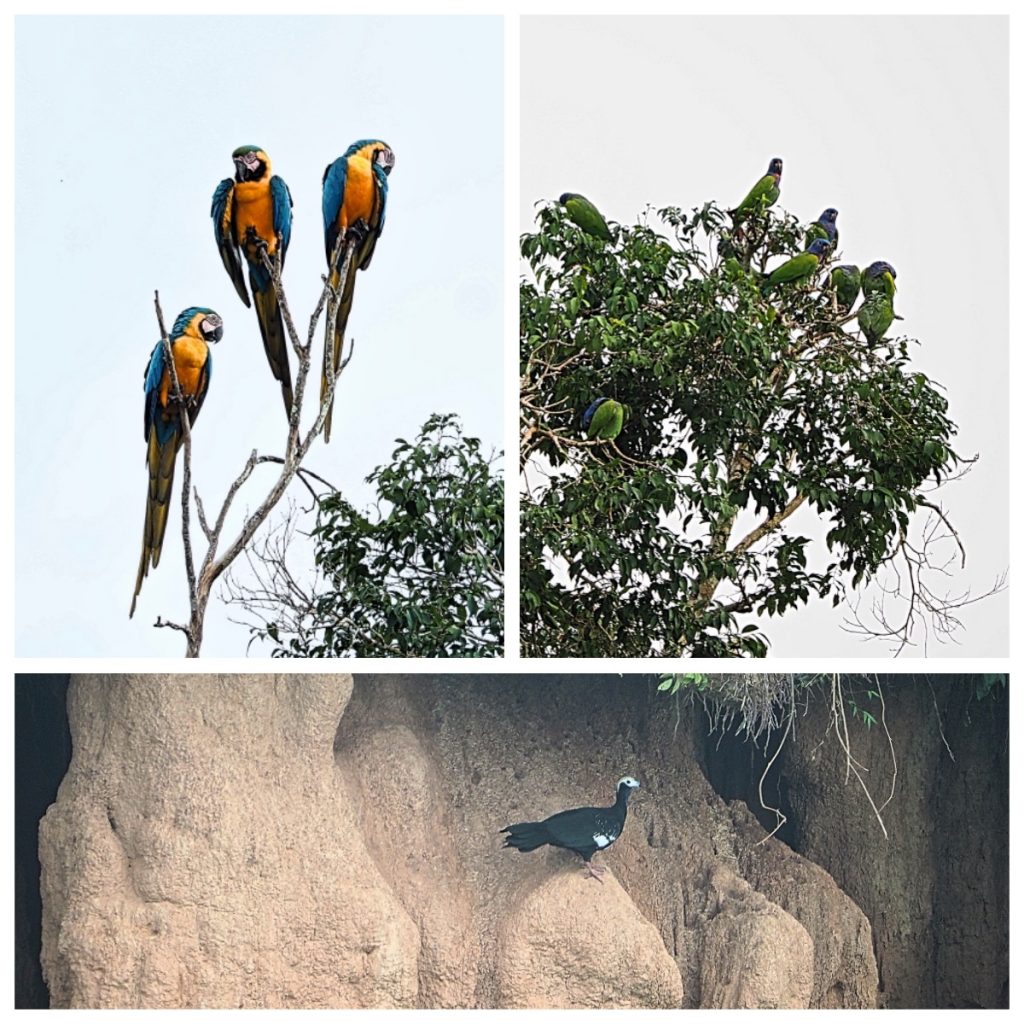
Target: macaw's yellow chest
x,y
254,208
361,201
190,356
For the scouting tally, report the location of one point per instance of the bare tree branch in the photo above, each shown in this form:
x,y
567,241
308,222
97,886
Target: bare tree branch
x,y
296,447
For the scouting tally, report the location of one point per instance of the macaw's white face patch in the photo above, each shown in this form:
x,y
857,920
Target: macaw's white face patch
x,y
601,841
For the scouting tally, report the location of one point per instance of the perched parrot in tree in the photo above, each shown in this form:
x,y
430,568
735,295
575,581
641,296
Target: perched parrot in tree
x,y
846,282
585,215
879,277
798,269
354,200
193,332
604,418
824,227
763,194
256,207
875,316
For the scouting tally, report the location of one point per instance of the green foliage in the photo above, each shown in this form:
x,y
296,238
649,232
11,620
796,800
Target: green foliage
x,y
420,576
862,715
744,408
673,682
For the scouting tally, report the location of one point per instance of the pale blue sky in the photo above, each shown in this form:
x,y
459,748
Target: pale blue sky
x,y
124,126
900,123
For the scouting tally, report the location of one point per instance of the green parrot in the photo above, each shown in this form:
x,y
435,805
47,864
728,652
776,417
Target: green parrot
x,y
604,418
798,269
846,282
763,194
875,317
584,214
879,277
824,227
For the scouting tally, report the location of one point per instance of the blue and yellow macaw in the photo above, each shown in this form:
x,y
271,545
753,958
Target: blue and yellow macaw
x,y
354,200
256,207
191,336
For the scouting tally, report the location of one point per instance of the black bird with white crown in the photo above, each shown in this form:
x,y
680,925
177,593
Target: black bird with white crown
x,y
584,830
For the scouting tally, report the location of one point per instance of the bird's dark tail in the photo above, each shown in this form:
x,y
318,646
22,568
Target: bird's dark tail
x,y
275,341
341,323
160,459
526,836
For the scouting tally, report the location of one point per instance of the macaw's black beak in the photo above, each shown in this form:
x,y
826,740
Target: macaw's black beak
x,y
213,328
247,166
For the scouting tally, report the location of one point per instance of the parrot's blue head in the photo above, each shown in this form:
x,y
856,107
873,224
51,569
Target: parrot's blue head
x,y
775,167
818,247
828,216
566,196
878,268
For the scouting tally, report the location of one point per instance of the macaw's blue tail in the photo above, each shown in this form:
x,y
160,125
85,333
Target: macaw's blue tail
x,y
160,458
275,340
341,323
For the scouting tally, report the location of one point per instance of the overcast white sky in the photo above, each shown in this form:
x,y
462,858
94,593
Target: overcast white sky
x,y
124,126
900,123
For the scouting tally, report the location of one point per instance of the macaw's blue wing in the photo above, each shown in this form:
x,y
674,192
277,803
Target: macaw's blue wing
x,y
162,435
333,197
151,385
282,213
377,218
222,211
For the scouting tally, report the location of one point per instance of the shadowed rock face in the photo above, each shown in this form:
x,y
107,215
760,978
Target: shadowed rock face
x,y
287,841
937,888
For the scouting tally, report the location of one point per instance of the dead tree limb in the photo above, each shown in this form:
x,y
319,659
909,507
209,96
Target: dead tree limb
x,y
296,447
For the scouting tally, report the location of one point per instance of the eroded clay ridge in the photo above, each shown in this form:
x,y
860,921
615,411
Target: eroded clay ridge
x,y
289,841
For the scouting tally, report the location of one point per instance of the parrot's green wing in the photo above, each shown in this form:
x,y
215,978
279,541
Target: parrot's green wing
x,y
816,231
846,282
585,215
875,317
799,268
760,197
607,422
